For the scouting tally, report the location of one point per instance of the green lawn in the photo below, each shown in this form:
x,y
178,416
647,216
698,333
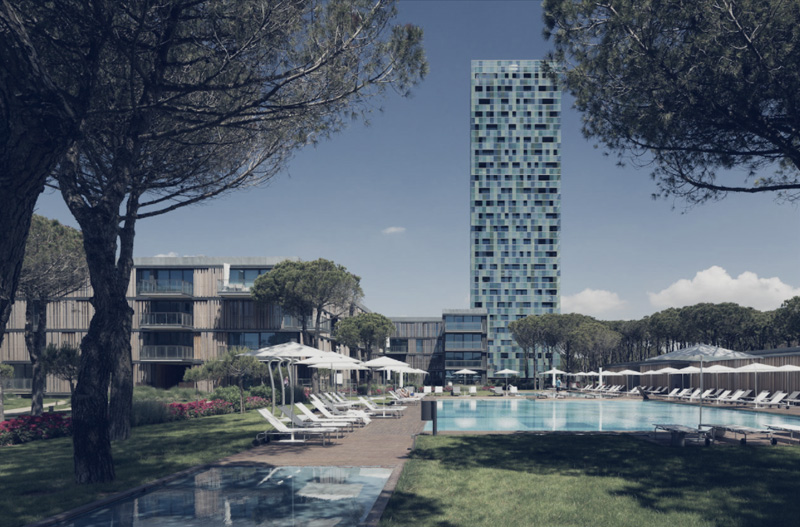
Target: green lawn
x,y
36,478
574,480
13,402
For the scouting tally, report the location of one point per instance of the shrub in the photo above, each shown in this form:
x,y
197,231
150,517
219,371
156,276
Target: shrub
x,y
150,412
261,390
179,394
254,402
229,394
30,428
203,408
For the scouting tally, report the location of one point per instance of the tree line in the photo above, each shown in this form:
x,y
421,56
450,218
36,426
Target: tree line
x,y
585,343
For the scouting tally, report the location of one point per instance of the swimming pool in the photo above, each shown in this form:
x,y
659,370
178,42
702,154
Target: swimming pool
x,y
250,496
586,415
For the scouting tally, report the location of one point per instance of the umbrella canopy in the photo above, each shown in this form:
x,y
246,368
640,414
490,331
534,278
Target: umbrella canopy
x,y
788,367
707,352
288,350
718,368
380,362
690,369
554,371
629,372
465,371
756,367
506,372
328,358
342,366
662,371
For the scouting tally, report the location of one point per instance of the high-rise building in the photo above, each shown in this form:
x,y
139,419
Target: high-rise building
x,y
515,200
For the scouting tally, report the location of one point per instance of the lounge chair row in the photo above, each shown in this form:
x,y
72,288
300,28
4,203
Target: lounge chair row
x,y
720,396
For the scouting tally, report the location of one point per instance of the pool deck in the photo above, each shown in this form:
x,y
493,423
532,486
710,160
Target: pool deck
x,y
385,442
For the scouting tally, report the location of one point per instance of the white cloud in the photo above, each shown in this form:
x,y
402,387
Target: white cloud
x,y
393,230
171,254
593,302
715,285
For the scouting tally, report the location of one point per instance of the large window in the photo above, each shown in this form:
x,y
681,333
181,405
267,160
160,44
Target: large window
x,y
244,277
164,281
455,341
463,322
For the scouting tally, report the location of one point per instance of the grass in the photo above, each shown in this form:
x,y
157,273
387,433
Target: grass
x,y
574,480
36,478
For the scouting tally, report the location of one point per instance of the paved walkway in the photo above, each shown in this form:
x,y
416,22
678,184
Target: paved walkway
x,y
385,442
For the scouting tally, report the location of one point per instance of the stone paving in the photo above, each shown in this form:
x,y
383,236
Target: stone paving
x,y
385,442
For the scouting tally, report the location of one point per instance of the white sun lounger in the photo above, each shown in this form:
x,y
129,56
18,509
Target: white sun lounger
x,y
349,414
314,418
744,431
282,429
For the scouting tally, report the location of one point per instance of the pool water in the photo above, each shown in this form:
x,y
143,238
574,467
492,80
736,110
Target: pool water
x,y
586,415
250,496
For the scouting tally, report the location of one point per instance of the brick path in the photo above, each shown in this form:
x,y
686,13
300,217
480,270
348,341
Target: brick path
x,y
385,442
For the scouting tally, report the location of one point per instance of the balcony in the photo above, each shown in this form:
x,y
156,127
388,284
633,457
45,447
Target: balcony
x,y
165,288
463,326
17,384
167,321
234,289
468,364
166,353
463,346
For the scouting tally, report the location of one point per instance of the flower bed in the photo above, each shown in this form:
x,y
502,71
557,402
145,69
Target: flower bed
x,y
30,428
202,408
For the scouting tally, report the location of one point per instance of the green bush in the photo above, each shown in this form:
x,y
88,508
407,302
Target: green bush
x,y
261,390
178,394
229,394
149,393
149,412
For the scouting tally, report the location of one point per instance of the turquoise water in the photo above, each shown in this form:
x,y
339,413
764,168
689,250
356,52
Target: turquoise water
x,y
586,415
251,496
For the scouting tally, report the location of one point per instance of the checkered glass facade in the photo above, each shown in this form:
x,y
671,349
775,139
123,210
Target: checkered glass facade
x,y
515,200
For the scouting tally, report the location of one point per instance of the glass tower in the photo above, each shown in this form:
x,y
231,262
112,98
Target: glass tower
x,y
515,201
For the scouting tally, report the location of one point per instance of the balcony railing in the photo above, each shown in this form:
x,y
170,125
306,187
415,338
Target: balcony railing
x,y
469,364
166,353
184,320
17,384
453,346
164,287
463,326
237,288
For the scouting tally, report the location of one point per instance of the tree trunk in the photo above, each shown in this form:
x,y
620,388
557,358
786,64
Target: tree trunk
x,y
122,392
33,138
35,342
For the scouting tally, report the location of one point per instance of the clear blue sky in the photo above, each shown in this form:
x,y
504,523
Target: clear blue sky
x,y
623,255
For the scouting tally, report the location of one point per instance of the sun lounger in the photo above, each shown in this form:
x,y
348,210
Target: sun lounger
x,y
678,394
438,390
456,390
282,429
732,398
775,400
427,389
397,398
304,422
391,411
332,413
761,397
473,390
311,416
785,428
744,431
691,396
673,393
679,433
793,398
716,398
497,390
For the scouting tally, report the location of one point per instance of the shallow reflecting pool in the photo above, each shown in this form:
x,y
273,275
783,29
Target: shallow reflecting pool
x,y
587,415
250,496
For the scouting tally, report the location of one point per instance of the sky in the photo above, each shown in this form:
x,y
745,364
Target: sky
x,y
390,201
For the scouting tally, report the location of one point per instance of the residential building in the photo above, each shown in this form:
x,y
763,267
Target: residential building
x,y
187,310
443,345
515,201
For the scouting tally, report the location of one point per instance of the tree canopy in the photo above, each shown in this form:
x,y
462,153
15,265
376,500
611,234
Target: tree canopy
x,y
146,107
365,330
54,266
307,289
708,92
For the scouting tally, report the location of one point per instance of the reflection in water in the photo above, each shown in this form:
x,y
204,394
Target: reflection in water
x,y
250,496
587,415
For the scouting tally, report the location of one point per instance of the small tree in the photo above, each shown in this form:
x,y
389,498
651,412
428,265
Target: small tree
x,y
62,362
528,333
365,330
233,364
54,267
